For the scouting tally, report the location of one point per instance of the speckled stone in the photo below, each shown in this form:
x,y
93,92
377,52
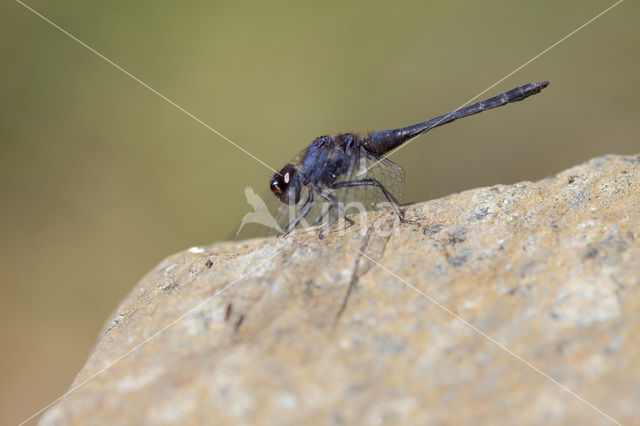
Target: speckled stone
x,y
249,332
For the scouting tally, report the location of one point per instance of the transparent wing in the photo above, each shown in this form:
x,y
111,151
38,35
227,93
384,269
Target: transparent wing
x,y
370,167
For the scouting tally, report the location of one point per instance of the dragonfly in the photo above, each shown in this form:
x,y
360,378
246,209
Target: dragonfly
x,y
336,171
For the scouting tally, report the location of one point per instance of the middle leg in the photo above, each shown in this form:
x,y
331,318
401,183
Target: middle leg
x,y
334,204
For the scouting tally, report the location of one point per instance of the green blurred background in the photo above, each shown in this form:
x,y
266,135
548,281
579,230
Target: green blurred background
x,y
101,179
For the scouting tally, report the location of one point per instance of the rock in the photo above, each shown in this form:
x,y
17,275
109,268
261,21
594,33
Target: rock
x,y
250,332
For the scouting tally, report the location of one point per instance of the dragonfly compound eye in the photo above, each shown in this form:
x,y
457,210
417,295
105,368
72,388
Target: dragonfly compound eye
x,y
276,186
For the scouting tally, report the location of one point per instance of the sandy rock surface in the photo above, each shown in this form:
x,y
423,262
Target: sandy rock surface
x,y
515,304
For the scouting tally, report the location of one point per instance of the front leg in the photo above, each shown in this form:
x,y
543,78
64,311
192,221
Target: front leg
x,y
303,212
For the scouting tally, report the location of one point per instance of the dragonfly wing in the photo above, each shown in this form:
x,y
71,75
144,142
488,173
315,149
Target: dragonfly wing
x,y
368,197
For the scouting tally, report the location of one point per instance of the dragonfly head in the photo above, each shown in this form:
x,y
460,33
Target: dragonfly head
x,y
287,185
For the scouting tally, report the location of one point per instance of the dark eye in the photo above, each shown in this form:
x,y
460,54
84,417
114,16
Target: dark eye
x,y
276,186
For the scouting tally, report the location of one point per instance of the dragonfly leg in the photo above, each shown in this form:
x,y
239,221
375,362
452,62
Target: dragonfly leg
x,y
372,182
333,204
323,215
303,212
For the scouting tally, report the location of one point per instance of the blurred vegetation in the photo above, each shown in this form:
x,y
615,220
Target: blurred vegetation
x,y
101,178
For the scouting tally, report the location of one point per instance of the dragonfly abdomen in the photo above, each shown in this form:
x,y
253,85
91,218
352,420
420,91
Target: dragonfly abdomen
x,y
386,140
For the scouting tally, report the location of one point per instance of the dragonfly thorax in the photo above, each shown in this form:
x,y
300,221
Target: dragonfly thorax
x,y
330,157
